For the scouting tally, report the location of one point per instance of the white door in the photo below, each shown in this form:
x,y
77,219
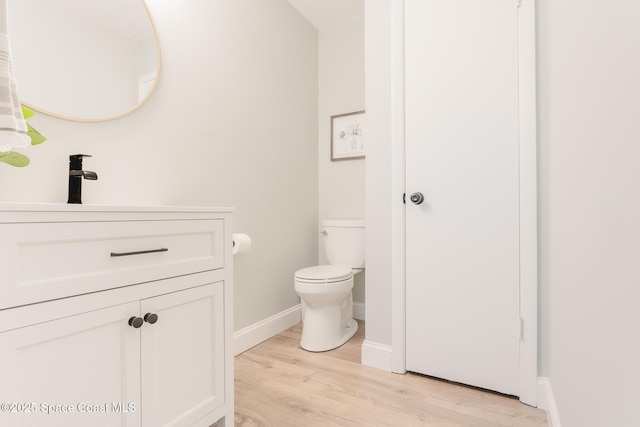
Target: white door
x,y
462,154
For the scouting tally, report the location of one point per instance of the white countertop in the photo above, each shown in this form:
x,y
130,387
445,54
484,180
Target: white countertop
x,y
64,207
62,212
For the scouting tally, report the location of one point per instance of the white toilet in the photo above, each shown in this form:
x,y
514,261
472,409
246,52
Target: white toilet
x,y
325,290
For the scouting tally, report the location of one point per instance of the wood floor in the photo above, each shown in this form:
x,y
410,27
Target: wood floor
x,y
278,384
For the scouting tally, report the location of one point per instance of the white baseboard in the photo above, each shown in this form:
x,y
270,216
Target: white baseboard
x,y
358,310
547,401
254,334
376,355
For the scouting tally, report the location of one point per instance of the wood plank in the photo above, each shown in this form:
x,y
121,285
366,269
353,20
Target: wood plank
x,y
277,383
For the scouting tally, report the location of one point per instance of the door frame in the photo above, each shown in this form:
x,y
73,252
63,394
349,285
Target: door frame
x,y
528,198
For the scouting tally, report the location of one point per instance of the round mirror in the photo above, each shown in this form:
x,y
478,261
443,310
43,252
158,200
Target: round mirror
x,y
83,60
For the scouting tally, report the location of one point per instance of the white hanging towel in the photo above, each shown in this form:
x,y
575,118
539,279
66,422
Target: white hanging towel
x,y
13,128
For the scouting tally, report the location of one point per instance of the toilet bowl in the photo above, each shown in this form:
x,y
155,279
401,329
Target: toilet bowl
x,y
325,290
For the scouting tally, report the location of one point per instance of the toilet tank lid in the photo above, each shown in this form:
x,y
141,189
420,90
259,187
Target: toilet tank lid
x,y
342,223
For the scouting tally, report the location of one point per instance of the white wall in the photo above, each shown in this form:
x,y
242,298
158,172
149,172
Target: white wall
x,y
233,122
341,90
589,141
379,174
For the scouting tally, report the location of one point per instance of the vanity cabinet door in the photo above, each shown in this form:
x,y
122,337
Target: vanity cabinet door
x,y
182,356
82,369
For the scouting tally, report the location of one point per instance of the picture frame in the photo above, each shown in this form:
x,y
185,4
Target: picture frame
x,y
347,136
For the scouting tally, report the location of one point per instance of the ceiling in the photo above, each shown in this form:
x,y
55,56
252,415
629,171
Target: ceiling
x,y
326,13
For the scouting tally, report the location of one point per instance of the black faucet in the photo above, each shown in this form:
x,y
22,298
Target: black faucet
x,y
76,175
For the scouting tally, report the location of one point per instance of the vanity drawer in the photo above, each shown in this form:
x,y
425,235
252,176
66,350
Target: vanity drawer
x,y
44,261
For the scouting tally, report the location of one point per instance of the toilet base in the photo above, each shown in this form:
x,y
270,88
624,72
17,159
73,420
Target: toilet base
x,y
347,333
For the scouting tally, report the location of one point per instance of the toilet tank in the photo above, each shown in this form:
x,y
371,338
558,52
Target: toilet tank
x,y
343,242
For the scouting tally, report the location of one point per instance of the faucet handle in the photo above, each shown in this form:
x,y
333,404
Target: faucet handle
x,y
75,161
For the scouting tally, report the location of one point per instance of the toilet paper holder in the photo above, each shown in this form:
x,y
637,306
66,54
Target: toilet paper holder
x,y
240,243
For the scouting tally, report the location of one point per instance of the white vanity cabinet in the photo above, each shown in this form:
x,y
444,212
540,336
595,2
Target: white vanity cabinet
x,y
139,338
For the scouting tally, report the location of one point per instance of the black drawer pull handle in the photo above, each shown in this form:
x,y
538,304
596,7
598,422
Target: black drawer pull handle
x,y
150,251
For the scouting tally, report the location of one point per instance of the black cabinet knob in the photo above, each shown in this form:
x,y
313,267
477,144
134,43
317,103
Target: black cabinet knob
x,y
136,322
151,318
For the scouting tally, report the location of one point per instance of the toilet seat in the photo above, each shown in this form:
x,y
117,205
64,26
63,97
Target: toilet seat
x,y
324,274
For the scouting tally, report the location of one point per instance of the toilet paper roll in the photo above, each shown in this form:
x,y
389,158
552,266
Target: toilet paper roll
x,y
241,243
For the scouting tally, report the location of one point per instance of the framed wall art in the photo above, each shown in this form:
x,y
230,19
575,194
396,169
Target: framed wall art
x,y
347,136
